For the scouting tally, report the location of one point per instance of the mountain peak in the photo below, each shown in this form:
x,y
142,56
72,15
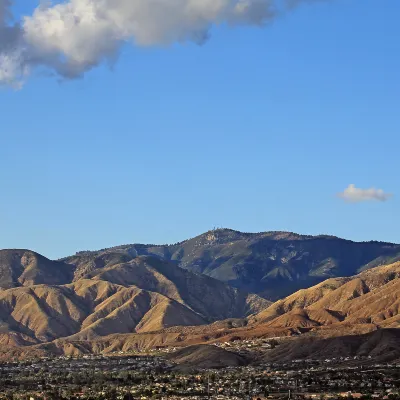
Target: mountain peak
x,y
272,264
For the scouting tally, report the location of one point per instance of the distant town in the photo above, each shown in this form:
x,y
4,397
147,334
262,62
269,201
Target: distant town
x,y
122,376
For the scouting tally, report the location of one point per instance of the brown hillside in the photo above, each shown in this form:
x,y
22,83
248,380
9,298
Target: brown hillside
x,y
381,345
203,356
206,296
147,303
89,309
370,297
143,295
44,300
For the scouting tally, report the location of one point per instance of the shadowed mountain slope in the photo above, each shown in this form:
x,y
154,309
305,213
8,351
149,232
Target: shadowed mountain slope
x,y
203,356
272,264
206,296
25,268
381,346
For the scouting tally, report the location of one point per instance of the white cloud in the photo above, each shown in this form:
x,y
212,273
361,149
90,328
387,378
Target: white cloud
x,y
73,36
357,195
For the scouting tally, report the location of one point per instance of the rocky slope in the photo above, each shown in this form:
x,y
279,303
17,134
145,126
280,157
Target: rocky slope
x,y
271,264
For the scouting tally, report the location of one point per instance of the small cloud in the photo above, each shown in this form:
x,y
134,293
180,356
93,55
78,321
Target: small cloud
x,y
356,195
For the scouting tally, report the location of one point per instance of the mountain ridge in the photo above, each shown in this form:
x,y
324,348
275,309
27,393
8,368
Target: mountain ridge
x,y
138,297
272,264
142,295
357,315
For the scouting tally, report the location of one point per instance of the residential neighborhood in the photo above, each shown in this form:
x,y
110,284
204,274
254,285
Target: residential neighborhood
x,y
150,377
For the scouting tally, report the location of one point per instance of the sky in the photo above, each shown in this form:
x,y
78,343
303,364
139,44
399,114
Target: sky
x,y
290,126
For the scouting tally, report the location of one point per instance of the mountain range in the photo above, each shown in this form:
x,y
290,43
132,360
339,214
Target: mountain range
x,y
41,300
271,264
140,296
346,316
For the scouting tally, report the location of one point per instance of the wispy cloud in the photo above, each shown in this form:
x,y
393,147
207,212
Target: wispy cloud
x,y
356,195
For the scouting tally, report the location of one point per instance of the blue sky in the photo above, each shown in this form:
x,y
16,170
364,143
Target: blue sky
x,y
256,130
